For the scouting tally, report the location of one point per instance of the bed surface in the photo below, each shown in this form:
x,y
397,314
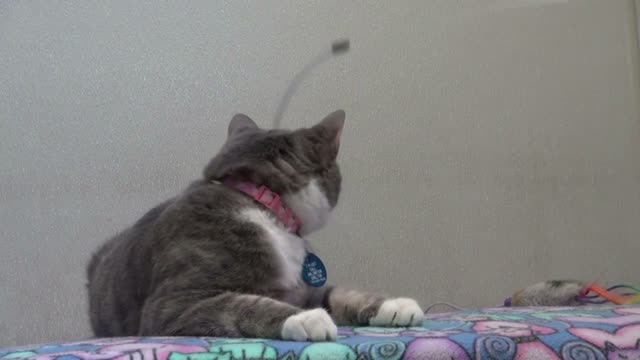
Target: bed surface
x,y
583,333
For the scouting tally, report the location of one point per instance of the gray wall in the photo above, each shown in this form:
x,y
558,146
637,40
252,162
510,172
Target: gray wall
x,y
488,144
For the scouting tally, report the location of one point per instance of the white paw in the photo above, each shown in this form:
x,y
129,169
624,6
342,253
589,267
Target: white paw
x,y
398,312
311,325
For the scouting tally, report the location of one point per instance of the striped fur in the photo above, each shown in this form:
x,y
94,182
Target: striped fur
x,y
212,262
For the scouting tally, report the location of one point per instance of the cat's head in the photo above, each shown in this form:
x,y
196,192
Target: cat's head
x,y
300,165
614,353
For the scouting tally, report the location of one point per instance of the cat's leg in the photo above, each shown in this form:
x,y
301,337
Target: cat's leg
x,y
233,315
351,307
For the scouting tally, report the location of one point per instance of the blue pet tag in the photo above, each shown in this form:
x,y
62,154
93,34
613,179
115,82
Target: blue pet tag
x,y
313,271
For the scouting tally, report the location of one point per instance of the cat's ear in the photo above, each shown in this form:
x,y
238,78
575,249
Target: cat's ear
x,y
330,128
609,346
240,122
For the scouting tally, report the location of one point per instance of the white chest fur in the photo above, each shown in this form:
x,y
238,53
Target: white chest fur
x,y
289,248
310,206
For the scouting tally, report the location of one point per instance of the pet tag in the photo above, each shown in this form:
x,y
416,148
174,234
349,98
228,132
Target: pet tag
x,y
313,271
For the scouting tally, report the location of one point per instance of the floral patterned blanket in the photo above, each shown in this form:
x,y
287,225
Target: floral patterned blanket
x,y
583,333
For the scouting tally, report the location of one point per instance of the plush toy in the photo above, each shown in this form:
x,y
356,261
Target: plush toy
x,y
573,293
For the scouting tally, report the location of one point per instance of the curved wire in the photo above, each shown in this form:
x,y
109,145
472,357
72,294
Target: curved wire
x,y
338,47
591,301
295,82
621,286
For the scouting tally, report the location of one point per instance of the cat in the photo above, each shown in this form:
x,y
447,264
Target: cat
x,y
212,261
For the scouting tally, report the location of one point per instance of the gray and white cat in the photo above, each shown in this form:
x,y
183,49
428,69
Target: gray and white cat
x,y
214,262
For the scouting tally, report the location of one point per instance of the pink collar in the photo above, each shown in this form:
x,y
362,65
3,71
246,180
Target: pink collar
x,y
268,199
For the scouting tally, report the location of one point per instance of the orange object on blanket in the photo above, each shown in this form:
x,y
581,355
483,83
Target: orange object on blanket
x,y
610,295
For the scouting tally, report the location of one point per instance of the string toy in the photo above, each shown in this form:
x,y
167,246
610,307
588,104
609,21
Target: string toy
x,y
338,47
442,303
617,294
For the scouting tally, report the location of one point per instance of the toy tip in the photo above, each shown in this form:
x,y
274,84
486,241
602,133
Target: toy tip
x,y
340,46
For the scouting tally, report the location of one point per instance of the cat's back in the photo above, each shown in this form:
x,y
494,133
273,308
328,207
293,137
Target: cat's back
x,y
137,236
119,241
121,271
116,271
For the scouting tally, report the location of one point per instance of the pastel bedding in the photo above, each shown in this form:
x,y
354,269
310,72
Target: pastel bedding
x,y
583,333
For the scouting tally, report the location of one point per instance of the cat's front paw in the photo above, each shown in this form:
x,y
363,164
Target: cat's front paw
x,y
398,312
310,325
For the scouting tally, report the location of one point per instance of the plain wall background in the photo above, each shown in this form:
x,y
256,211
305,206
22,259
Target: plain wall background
x,y
488,144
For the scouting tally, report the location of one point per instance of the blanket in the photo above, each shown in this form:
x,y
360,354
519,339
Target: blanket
x,y
598,333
